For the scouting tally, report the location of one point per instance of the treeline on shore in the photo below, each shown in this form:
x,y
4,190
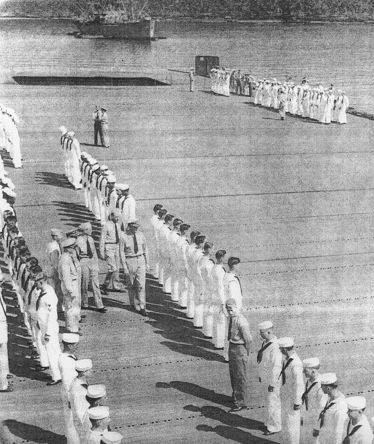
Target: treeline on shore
x,y
287,10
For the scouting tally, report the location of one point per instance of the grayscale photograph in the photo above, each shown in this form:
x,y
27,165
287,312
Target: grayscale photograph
x,y
186,221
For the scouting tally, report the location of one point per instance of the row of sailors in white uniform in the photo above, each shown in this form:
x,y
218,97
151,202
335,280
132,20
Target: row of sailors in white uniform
x,y
186,270
220,81
101,192
317,103
311,412
71,154
86,417
9,137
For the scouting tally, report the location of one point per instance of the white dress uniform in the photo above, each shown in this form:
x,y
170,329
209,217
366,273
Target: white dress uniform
x,y
233,289
206,266
4,363
86,170
155,224
93,193
218,306
128,209
96,436
269,359
291,393
334,417
15,141
66,365
198,289
75,155
313,402
32,297
79,407
359,433
46,308
181,248
174,281
342,115
165,258
190,251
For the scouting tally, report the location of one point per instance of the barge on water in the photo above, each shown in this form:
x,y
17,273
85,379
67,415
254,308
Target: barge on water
x,y
116,19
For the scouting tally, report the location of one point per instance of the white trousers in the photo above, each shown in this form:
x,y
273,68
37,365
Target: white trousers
x,y
4,366
190,299
198,319
273,421
208,319
49,353
70,431
219,326
290,422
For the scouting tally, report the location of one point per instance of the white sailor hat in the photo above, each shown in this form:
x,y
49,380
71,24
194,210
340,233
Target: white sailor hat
x,y
63,129
265,325
311,363
70,338
92,161
103,108
99,412
96,391
70,242
95,167
286,342
122,186
9,192
85,226
116,212
83,365
71,133
104,168
111,437
134,222
9,183
356,402
328,378
111,178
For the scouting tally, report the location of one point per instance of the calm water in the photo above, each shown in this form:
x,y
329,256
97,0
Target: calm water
x,y
341,54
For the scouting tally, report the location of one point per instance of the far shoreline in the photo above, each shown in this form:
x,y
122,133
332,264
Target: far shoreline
x,y
207,20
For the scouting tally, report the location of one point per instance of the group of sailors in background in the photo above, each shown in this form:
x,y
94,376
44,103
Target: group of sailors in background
x,y
325,105
9,137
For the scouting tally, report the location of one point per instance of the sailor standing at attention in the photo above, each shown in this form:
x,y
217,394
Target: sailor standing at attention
x,y
78,402
313,400
110,251
90,267
134,258
240,340
48,328
269,360
291,378
97,126
357,428
218,301
104,134
66,365
69,274
155,223
192,80
330,429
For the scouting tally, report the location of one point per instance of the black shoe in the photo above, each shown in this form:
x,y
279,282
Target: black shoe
x,y
268,433
8,389
9,376
104,291
143,312
238,409
84,307
54,382
39,368
102,310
